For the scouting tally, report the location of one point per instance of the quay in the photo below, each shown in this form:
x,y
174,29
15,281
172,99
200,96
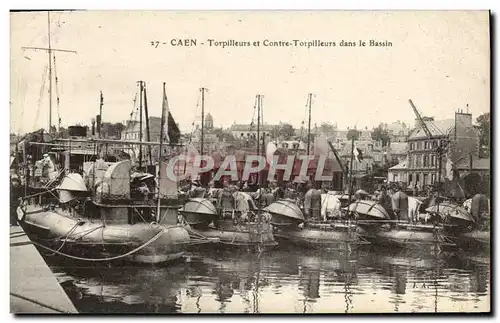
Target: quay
x,y
33,287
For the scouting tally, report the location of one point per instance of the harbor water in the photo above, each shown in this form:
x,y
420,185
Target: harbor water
x,y
285,280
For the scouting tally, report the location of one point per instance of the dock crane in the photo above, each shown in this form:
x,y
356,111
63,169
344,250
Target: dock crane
x,y
440,148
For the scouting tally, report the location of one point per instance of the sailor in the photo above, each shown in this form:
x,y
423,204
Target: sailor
x,y
144,190
47,166
384,200
316,204
241,206
279,193
197,190
268,197
415,190
480,210
400,205
312,202
225,201
15,194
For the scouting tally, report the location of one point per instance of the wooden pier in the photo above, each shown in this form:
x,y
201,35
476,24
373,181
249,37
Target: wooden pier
x,y
33,287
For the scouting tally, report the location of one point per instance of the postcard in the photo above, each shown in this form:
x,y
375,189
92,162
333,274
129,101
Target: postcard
x,y
250,162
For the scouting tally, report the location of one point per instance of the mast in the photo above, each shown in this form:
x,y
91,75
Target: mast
x,y
164,115
50,74
350,175
263,150
141,88
49,51
259,185
202,118
258,139
148,135
101,103
309,125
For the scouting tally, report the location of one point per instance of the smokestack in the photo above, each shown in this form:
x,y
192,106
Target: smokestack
x,y
93,127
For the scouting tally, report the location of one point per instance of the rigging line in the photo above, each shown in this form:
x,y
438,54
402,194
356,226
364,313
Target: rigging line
x,y
253,116
134,109
42,89
57,92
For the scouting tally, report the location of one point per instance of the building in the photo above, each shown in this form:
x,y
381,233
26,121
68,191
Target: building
x,y
292,145
209,122
398,173
210,139
397,152
423,159
365,166
244,131
398,131
132,132
373,152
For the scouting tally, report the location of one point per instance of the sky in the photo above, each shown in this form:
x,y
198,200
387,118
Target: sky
x,y
439,59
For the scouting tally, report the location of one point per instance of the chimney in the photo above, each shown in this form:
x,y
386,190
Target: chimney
x,y
93,126
463,119
98,124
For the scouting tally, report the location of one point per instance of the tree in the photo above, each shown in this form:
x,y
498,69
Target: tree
x,y
352,133
327,128
484,128
286,131
381,134
112,130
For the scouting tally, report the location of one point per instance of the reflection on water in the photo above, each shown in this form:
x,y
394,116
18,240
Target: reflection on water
x,y
299,281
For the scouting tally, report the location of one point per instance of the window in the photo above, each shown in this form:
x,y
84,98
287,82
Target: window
x,y
410,178
433,160
426,161
417,178
411,146
433,178
426,178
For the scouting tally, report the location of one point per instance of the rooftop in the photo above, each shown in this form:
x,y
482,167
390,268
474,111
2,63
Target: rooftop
x,y
251,127
477,163
437,128
399,148
401,166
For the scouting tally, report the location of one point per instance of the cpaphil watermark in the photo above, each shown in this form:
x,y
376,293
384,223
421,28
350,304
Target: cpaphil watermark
x,y
230,167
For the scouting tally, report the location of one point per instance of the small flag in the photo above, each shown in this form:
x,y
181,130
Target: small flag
x,y
164,117
358,154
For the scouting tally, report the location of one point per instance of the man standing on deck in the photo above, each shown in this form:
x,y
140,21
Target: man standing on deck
x,y
385,200
400,205
15,194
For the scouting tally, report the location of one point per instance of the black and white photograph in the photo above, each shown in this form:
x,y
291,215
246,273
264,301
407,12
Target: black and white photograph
x,y
250,161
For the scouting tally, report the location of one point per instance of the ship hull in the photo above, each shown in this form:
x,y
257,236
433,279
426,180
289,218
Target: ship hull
x,y
407,238
322,238
251,236
474,240
92,240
